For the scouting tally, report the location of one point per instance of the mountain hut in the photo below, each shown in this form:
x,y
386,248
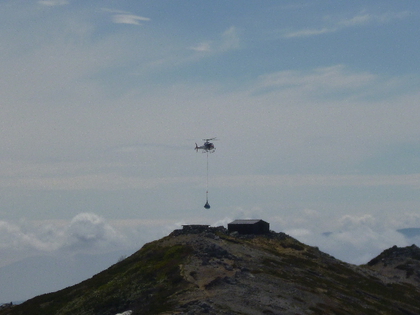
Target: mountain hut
x,y
255,226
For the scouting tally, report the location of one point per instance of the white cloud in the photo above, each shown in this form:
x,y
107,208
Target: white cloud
x,y
85,232
222,222
90,231
202,47
361,19
309,32
53,2
128,19
19,237
125,17
298,233
228,40
349,222
352,238
358,20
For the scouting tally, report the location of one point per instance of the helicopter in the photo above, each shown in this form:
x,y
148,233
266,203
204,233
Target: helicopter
x,y
207,146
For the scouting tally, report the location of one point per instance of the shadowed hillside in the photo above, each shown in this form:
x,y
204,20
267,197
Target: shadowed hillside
x,y
203,270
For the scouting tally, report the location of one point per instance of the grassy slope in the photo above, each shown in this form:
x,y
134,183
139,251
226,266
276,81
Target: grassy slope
x,y
142,281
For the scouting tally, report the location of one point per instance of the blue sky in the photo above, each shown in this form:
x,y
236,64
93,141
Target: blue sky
x,y
314,103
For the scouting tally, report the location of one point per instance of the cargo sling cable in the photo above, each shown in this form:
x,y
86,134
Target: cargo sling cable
x,y
207,205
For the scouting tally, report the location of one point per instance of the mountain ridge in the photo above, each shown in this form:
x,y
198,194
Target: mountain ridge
x,y
207,270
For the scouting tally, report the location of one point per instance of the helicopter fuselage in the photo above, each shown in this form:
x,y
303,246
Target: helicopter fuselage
x,y
206,147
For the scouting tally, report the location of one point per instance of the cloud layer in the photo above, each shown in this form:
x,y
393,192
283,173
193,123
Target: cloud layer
x,y
86,232
352,238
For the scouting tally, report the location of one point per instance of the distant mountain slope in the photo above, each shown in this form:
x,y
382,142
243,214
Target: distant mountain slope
x,y
409,232
209,271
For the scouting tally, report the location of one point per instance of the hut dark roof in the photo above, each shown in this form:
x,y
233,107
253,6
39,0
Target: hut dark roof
x,y
250,221
253,226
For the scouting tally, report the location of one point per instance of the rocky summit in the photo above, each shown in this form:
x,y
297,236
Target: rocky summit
x,y
399,265
206,270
